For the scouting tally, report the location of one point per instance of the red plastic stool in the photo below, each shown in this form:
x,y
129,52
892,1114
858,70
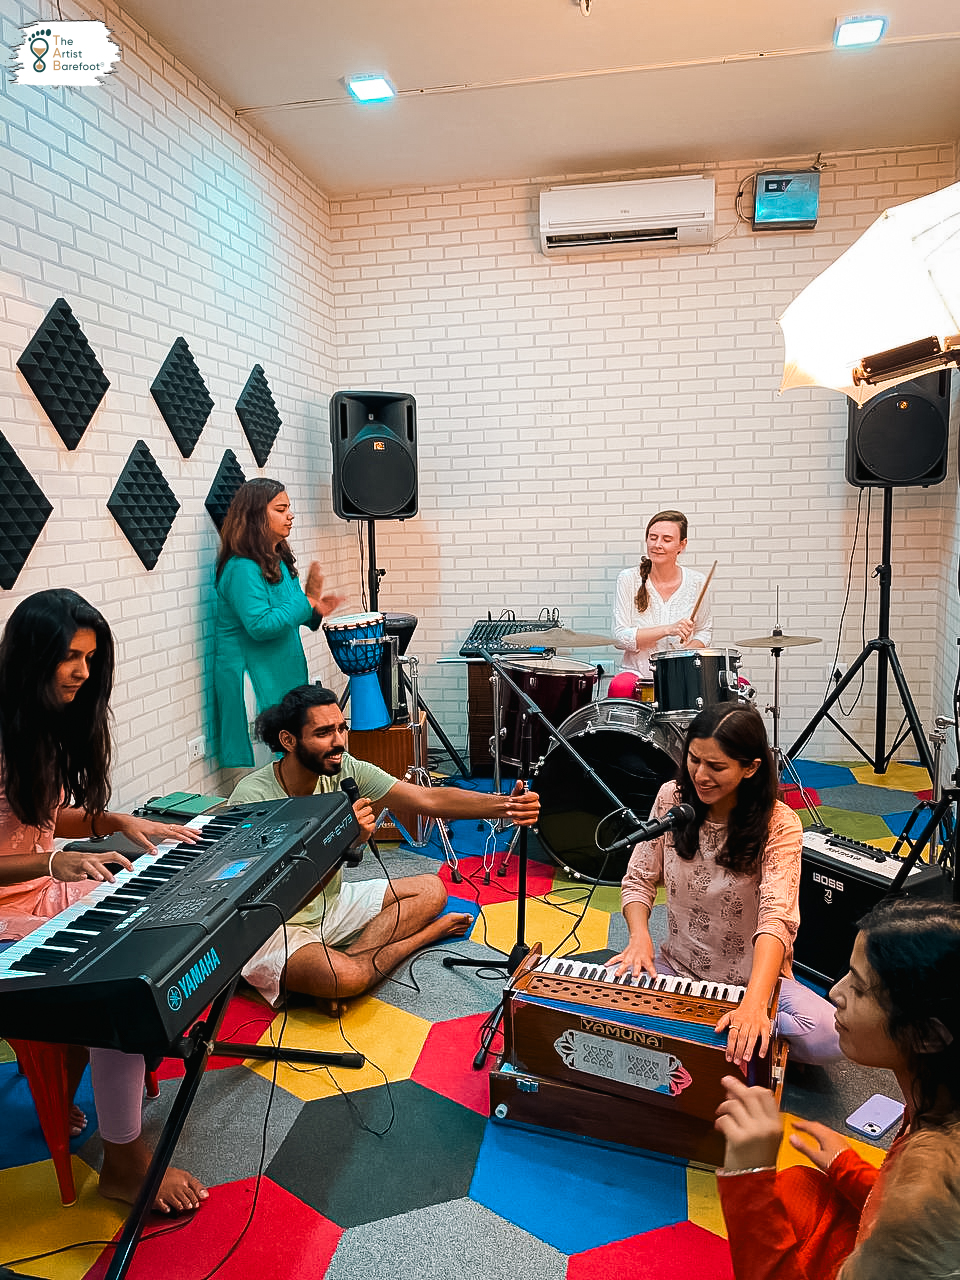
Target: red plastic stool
x,y
45,1068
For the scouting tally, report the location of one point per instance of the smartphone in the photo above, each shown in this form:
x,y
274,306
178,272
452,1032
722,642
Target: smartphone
x,y
876,1116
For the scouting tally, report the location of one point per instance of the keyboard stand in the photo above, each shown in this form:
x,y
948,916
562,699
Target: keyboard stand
x,y
195,1047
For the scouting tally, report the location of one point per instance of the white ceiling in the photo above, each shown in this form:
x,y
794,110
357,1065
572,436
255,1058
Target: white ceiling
x,y
500,89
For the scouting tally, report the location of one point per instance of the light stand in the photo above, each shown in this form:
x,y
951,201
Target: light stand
x,y
886,653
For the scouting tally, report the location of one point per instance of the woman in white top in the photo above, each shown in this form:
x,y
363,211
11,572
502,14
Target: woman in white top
x,y
655,600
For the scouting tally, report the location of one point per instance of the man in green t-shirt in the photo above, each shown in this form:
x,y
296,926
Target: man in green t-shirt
x,y
351,935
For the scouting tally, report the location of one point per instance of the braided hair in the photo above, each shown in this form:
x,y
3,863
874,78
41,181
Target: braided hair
x,y
646,564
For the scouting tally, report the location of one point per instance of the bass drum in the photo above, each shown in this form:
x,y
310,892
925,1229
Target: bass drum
x,y
634,752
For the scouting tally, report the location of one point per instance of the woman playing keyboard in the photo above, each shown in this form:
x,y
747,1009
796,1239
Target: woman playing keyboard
x,y
732,878
56,674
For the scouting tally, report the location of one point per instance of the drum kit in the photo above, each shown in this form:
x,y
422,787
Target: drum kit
x,y
598,764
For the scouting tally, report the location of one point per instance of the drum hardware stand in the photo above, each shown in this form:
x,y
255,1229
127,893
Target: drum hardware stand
x,y
419,775
887,659
195,1047
529,712
782,761
932,833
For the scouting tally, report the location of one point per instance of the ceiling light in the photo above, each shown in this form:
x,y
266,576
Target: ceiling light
x,y
852,32
371,88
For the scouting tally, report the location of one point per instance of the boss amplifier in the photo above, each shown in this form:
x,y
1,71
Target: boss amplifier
x,y
840,881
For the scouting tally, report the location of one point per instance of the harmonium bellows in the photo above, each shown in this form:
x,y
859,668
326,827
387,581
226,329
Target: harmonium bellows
x,y
631,1061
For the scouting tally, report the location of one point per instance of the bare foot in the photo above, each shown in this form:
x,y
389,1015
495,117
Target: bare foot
x,y
77,1121
125,1166
332,1008
452,925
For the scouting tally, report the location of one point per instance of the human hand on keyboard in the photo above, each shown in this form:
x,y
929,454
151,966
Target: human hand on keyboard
x,y
746,1025
71,865
635,958
148,834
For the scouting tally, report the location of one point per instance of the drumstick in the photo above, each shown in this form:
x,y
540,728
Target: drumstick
x,y
703,592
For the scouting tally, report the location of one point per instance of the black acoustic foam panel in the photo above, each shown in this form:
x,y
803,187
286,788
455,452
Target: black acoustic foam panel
x,y
23,513
226,482
182,396
143,505
258,415
63,373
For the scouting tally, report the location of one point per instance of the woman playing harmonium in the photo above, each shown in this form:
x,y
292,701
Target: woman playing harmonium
x,y
655,603
732,878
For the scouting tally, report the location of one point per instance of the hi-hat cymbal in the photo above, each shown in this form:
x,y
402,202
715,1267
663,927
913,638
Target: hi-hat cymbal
x,y
556,638
777,642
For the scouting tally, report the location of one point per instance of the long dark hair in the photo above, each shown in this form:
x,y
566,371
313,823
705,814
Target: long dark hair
x,y
739,731
49,749
646,564
245,533
913,947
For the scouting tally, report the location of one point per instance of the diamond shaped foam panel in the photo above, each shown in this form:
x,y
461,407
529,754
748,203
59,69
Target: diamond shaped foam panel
x,y
258,415
63,373
23,513
143,505
182,396
226,482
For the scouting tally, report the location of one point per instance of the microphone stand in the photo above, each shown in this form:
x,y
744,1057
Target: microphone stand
x,y
529,712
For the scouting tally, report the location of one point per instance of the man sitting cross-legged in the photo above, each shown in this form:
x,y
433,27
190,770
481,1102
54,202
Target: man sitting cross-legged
x,y
352,934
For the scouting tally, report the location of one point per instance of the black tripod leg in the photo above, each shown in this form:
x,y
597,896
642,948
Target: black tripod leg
x,y
832,698
196,1061
910,710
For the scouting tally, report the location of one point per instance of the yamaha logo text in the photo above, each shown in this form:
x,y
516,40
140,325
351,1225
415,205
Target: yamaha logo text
x,y
192,979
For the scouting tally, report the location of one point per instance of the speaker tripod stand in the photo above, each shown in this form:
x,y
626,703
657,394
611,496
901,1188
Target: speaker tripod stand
x,y
885,651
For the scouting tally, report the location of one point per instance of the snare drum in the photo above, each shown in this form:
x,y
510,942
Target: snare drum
x,y
558,686
634,752
687,680
356,641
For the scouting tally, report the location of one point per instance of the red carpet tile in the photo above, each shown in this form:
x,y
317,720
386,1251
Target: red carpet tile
x,y
447,1050
501,888
681,1252
286,1238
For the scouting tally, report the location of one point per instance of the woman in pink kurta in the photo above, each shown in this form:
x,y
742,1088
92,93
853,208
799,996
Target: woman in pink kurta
x,y
732,878
56,675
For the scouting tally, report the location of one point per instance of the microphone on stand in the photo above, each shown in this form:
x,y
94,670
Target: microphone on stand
x,y
678,816
350,789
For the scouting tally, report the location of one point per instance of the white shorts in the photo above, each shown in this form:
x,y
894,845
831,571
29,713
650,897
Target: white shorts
x,y
357,903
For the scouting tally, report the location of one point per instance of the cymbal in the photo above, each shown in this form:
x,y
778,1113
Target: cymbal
x,y
777,642
556,638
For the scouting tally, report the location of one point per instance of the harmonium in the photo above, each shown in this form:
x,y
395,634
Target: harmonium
x,y
629,1061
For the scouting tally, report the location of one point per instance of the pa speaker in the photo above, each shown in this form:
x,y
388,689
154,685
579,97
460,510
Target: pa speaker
x,y
900,436
374,438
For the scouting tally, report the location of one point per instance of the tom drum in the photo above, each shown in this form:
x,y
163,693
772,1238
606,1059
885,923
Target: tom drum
x,y
687,680
633,751
558,686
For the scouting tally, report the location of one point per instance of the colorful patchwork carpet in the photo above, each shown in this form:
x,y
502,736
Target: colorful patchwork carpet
x,y
396,1169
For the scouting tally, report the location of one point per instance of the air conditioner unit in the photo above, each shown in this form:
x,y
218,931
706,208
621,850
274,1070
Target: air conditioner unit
x,y
599,216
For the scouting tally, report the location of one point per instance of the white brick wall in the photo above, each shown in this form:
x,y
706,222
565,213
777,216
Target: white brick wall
x,y
559,402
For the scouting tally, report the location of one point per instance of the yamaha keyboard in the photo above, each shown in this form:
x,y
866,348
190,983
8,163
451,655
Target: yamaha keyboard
x,y
133,964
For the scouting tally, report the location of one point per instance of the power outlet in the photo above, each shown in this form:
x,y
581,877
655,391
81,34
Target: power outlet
x,y
196,748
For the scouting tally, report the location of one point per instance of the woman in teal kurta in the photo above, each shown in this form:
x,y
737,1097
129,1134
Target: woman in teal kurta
x,y
261,607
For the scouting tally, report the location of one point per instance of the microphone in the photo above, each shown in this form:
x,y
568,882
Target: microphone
x,y
350,789
678,816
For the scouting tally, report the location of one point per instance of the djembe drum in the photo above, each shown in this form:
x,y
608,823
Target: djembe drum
x,y
356,641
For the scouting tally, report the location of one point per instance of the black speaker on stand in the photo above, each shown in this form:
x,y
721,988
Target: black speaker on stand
x,y
374,438
900,437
